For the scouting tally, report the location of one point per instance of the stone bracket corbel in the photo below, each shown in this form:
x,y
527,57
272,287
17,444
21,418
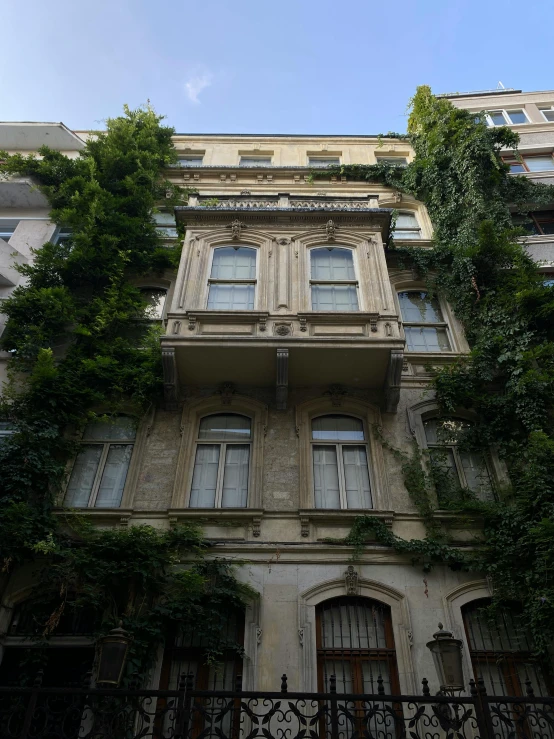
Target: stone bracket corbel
x,y
393,380
282,389
171,382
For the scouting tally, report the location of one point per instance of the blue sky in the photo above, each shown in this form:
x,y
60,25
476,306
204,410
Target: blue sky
x,y
271,66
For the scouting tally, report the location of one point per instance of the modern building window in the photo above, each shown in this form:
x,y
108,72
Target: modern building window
x,y
7,228
406,226
455,468
548,113
501,651
538,223
192,161
221,466
155,299
340,463
531,163
396,161
323,161
254,161
355,642
232,282
100,469
63,236
424,325
506,117
333,281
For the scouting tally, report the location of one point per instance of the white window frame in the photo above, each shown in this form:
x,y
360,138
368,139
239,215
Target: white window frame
x,y
410,230
216,280
505,112
223,444
544,110
323,161
338,445
106,443
354,282
423,324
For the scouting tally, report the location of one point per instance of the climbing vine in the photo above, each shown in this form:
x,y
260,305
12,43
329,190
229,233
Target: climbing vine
x,y
480,266
80,348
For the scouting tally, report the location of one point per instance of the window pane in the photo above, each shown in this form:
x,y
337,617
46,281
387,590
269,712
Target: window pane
x,y
118,428
255,161
342,670
234,264
155,299
477,475
235,477
517,116
356,477
548,113
339,428
372,670
334,297
418,307
406,220
497,118
516,168
225,427
231,297
397,161
333,265
539,164
204,478
323,161
114,476
502,632
82,476
445,474
190,161
326,477
353,625
426,339
444,430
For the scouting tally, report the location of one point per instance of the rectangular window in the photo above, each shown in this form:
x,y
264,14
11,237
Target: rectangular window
x,y
517,117
496,118
406,226
396,161
538,223
548,113
192,161
539,162
232,282
253,161
333,280
424,325
7,227
323,161
514,117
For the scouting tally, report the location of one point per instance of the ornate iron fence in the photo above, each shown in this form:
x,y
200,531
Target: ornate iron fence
x,y
90,713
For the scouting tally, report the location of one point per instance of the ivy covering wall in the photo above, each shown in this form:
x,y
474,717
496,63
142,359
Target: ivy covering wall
x,y
478,263
79,350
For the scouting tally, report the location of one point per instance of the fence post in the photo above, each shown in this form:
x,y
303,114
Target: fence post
x,y
482,709
31,705
334,707
184,700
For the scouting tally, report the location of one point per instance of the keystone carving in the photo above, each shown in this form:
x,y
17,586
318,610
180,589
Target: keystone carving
x,y
226,390
351,581
336,393
236,227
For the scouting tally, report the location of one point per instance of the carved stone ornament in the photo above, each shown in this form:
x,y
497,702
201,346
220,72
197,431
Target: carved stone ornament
x,y
176,327
245,192
373,325
303,323
331,230
236,227
282,329
259,633
304,527
351,581
301,637
336,393
263,323
283,242
192,322
226,390
256,526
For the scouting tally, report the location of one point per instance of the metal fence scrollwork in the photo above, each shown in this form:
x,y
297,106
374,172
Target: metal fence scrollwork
x,y
185,713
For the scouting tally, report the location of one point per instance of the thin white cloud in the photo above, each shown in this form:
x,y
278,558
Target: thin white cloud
x,y
197,82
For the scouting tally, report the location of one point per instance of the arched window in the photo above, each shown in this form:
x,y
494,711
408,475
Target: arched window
x,y
221,466
455,468
355,643
100,469
501,651
232,282
340,463
406,226
424,325
333,281
155,302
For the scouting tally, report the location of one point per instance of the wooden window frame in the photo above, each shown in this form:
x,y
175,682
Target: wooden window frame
x,y
521,161
425,324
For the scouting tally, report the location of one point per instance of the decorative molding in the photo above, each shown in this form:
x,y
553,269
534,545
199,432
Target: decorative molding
x,y
351,578
282,390
259,633
124,522
176,327
331,230
236,227
373,324
282,329
301,637
171,385
393,380
256,526
226,390
263,323
336,393
192,321
388,329
303,321
304,527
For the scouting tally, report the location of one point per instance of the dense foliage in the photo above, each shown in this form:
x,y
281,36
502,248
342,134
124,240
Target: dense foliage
x,y
482,269
80,347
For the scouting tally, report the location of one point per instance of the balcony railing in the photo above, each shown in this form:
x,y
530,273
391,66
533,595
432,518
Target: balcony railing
x,y
90,713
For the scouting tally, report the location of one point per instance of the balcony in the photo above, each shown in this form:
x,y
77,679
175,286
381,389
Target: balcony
x,y
283,343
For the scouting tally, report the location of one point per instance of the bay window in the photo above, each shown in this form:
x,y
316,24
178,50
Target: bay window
x,y
221,466
333,281
340,463
100,469
232,282
406,226
424,325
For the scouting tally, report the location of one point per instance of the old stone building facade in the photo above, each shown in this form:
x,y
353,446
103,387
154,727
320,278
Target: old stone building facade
x,y
292,336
